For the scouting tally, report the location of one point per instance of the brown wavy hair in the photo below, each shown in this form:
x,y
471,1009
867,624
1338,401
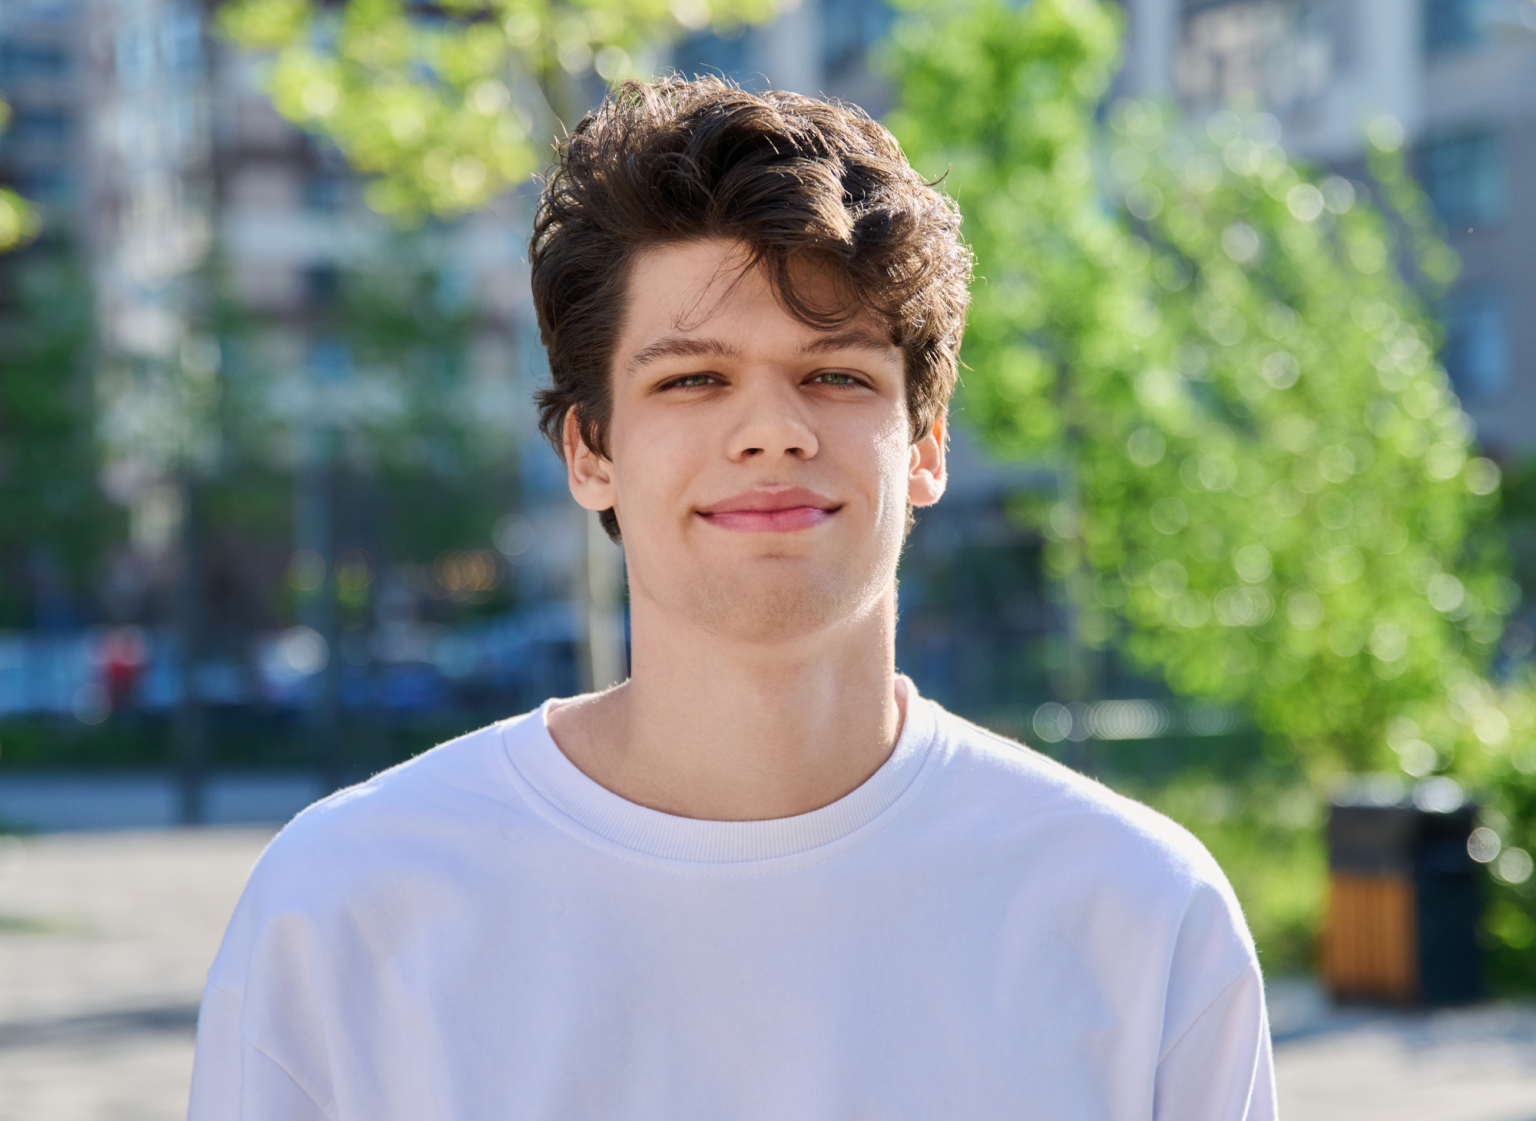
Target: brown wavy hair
x,y
792,178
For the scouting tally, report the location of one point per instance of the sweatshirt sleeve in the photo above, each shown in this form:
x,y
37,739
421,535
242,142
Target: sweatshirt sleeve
x,y
232,1080
1220,1068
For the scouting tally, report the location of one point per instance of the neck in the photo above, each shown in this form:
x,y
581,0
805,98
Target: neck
x,y
726,729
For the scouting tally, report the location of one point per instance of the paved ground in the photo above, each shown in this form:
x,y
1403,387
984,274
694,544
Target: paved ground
x,y
1469,1064
104,940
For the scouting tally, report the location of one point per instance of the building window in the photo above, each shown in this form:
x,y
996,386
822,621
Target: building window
x,y
135,51
322,285
330,360
22,61
1476,353
54,186
324,193
1284,52
1451,25
1464,178
181,40
38,128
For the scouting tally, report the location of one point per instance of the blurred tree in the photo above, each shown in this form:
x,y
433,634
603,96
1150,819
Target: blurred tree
x,y
390,387
1267,489
51,523
442,102
54,525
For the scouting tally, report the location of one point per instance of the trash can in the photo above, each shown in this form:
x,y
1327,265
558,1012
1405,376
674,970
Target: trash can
x,y
1403,902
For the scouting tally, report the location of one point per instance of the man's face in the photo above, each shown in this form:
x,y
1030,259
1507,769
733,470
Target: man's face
x,y
760,468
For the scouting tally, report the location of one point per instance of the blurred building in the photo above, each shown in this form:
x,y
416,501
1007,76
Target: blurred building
x,y
218,240
151,143
109,135
41,60
817,47
1458,75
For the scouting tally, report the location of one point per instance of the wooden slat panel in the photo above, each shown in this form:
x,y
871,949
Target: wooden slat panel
x,y
1370,940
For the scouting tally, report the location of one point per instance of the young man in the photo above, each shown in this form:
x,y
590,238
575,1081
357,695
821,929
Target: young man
x,y
763,878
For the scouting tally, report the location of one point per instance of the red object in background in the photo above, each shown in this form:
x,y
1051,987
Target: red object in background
x,y
122,656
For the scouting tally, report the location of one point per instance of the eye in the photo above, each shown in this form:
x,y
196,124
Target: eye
x,y
835,377
691,381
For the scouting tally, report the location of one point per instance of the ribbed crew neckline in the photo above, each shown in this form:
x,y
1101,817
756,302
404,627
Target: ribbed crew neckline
x,y
541,764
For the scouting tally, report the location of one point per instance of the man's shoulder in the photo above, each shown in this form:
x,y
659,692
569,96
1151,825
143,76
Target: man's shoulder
x,y
415,832
469,766
1025,797
1101,861
436,799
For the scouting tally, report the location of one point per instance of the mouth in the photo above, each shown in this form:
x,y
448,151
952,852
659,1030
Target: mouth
x,y
770,510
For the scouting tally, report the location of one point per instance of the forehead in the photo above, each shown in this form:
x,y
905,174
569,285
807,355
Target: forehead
x,y
705,286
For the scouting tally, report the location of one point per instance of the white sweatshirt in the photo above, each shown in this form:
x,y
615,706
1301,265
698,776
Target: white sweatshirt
x,y
974,933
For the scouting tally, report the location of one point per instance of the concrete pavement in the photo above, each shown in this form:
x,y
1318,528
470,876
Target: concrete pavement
x,y
1370,1064
104,942
105,938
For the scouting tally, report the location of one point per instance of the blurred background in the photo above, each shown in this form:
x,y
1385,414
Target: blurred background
x,y
1243,509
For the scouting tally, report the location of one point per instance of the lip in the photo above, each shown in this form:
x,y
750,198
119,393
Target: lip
x,y
770,510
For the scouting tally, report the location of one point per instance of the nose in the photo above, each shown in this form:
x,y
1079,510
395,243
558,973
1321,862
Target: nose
x,y
772,423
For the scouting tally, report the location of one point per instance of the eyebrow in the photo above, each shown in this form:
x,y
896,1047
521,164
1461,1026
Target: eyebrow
x,y
719,348
854,339
682,348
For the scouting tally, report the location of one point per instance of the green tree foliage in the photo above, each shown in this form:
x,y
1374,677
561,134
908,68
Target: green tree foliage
x,y
1268,489
53,522
449,104
389,393
1509,924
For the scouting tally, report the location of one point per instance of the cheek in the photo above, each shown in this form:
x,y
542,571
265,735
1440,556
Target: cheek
x,y
652,459
892,455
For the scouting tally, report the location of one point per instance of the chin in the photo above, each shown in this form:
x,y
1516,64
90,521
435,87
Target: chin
x,y
771,600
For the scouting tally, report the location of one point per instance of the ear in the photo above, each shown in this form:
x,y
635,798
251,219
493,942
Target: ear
x,y
588,474
926,476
